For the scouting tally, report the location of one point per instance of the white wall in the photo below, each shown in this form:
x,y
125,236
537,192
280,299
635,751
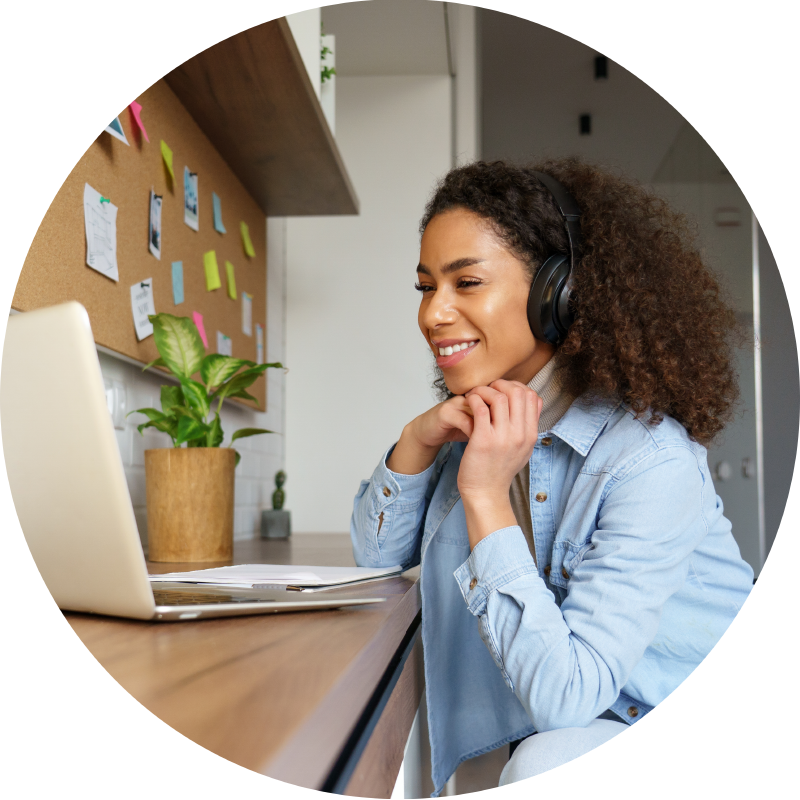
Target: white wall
x,y
305,27
359,367
262,456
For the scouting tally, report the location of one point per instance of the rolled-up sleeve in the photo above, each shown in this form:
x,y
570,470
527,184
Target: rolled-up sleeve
x,y
388,516
567,665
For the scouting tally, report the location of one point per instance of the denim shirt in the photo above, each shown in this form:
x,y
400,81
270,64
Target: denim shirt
x,y
637,576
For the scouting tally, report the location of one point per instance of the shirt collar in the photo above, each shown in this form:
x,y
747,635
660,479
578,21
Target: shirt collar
x,y
584,421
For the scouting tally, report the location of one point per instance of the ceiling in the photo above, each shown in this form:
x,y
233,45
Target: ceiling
x,y
388,37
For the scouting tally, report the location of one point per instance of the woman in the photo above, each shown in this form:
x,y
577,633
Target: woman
x,y
576,563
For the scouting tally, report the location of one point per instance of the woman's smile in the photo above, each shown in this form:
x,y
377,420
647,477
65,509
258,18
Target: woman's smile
x,y
452,351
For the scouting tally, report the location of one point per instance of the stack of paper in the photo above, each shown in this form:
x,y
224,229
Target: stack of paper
x,y
277,576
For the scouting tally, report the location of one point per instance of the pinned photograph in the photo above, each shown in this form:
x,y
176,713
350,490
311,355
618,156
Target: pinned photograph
x,y
115,129
155,224
190,199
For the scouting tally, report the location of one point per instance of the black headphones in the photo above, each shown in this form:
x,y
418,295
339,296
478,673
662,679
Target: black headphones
x,y
549,312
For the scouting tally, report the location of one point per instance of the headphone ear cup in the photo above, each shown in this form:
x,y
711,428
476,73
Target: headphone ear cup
x,y
548,313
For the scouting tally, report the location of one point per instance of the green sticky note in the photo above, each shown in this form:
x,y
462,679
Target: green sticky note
x,y
166,154
248,245
231,280
212,271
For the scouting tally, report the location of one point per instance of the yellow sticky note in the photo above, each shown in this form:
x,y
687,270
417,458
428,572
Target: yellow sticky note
x,y
212,271
248,245
231,280
166,154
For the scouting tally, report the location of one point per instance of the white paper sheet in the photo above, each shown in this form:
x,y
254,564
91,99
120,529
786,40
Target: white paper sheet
x,y
267,575
142,305
100,220
224,344
247,314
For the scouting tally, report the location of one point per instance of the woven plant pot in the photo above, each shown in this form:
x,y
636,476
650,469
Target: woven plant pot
x,y
190,503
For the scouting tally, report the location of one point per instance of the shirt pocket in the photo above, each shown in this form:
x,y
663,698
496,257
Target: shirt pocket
x,y
565,560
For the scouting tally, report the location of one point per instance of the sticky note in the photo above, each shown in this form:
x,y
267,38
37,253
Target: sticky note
x,y
166,154
259,344
231,280
247,314
224,344
212,271
248,245
217,203
136,111
142,305
197,318
177,282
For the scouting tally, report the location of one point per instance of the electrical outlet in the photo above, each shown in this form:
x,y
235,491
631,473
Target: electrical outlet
x,y
116,400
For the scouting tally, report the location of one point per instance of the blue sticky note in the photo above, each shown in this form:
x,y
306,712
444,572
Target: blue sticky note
x,y
177,282
218,226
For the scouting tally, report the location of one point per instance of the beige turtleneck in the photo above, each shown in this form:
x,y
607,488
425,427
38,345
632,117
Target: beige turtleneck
x,y
555,402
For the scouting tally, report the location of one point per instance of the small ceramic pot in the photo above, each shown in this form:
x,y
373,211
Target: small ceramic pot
x,y
190,503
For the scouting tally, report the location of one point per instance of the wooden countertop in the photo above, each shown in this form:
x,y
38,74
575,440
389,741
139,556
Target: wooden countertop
x,y
277,694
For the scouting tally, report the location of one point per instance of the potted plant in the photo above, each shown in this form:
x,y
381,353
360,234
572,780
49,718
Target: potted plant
x,y
190,486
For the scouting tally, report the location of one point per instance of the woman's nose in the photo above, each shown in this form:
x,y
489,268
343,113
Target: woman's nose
x,y
439,310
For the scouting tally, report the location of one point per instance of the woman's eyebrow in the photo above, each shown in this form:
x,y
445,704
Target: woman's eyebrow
x,y
453,266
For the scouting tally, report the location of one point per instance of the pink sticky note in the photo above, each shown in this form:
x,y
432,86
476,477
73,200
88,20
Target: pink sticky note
x,y
136,108
197,317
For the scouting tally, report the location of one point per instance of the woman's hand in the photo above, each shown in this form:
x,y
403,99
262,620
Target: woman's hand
x,y
422,438
505,429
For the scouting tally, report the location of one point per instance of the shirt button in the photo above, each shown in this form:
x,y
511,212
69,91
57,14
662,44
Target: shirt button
x,y
547,570
565,574
473,583
541,497
547,441
387,491
633,711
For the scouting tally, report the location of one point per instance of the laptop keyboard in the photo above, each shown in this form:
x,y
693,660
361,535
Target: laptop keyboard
x,y
178,597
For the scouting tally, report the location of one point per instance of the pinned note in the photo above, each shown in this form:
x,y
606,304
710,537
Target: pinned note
x,y
248,245
136,113
259,343
155,224
115,129
142,305
166,154
190,199
247,314
177,282
197,318
224,344
229,271
100,221
212,271
217,203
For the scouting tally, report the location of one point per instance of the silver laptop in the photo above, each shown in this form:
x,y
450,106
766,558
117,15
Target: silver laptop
x,y
69,486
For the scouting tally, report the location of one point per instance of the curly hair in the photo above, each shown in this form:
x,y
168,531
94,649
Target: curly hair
x,y
653,326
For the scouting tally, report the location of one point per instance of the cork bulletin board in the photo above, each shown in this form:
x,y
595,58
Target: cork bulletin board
x,y
55,269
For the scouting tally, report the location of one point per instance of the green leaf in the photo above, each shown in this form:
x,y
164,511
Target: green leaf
x,y
215,433
242,432
196,395
190,430
160,422
246,396
185,411
241,381
159,362
171,396
151,413
238,459
216,369
178,343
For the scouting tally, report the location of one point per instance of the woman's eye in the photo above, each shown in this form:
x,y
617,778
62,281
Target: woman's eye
x,y
423,287
465,283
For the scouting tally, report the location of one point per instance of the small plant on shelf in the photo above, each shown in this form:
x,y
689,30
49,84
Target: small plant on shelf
x,y
187,413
